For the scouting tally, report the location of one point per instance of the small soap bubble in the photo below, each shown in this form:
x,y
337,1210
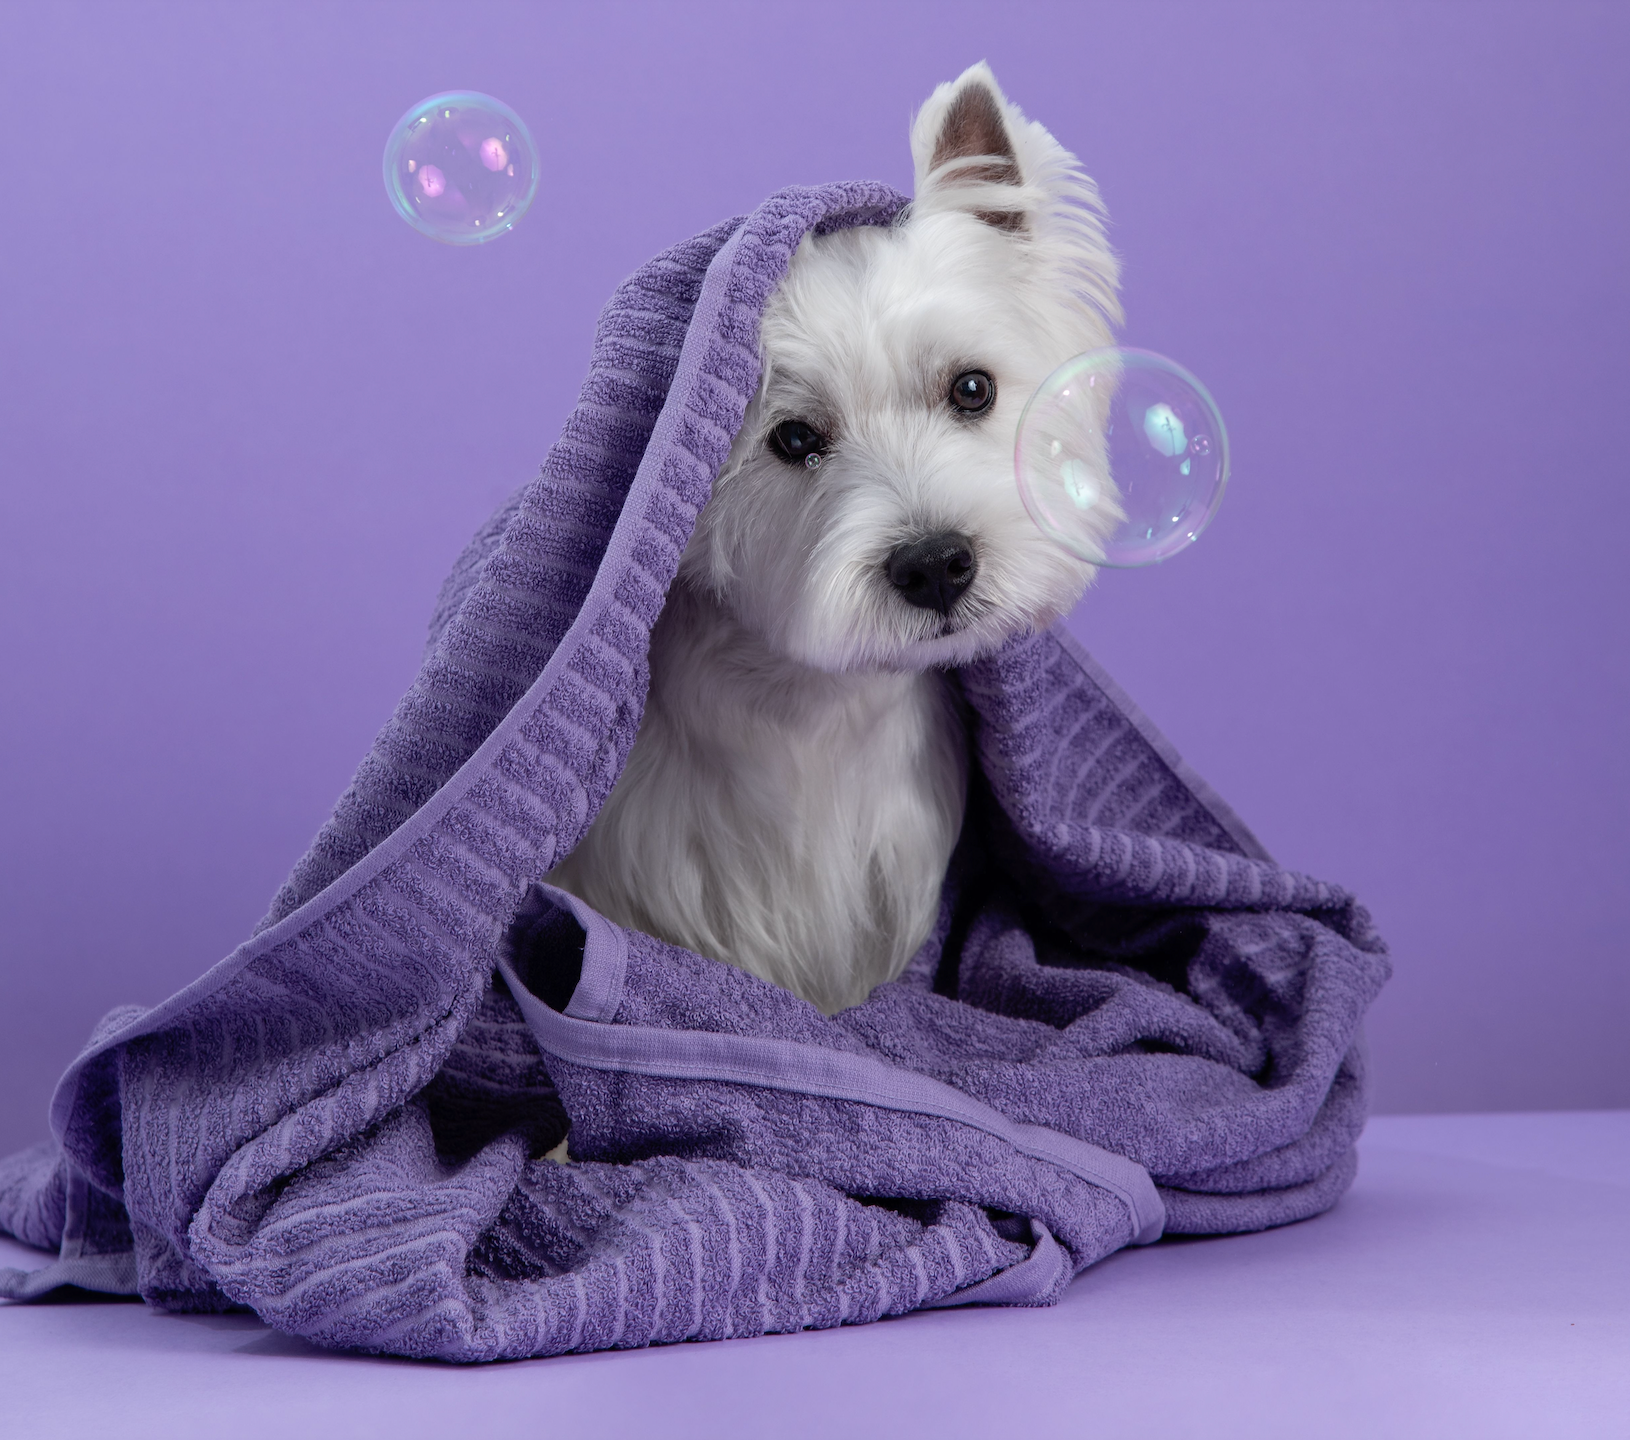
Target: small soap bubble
x,y
461,168
1122,457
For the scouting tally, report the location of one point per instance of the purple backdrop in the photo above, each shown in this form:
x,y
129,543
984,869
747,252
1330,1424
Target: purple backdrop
x,y
248,417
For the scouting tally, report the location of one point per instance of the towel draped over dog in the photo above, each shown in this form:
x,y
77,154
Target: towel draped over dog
x,y
1127,1021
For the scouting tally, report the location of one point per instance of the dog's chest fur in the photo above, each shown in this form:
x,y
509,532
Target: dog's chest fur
x,y
795,823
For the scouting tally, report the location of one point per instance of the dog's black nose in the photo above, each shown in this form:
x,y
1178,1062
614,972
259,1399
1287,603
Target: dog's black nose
x,y
933,572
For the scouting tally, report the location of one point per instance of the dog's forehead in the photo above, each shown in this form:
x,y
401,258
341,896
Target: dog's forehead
x,y
875,313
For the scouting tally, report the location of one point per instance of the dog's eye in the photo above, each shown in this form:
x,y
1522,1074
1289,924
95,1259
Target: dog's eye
x,y
973,391
794,441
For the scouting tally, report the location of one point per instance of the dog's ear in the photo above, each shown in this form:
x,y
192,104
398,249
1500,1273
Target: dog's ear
x,y
962,143
976,154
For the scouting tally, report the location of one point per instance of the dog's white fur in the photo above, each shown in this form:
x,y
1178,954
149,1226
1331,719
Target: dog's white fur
x,y
798,781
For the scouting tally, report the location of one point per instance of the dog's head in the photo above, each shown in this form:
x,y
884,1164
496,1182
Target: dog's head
x,y
868,516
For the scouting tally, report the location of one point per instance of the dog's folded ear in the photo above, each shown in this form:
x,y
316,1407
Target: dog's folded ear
x,y
963,143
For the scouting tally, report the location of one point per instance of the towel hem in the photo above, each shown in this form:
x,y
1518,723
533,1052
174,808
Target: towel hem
x,y
798,1068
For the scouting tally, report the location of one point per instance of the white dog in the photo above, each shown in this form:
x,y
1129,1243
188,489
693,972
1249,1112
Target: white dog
x,y
797,785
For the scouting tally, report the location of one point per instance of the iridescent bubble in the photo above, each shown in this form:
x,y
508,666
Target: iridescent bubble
x,y
461,168
1121,457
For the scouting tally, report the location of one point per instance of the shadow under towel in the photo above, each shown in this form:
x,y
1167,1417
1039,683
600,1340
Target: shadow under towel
x,y
1127,1022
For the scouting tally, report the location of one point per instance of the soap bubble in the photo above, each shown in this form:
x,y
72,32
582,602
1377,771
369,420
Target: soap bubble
x,y
461,168
1121,457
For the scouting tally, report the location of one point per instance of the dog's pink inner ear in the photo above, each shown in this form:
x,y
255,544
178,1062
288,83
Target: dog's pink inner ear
x,y
973,128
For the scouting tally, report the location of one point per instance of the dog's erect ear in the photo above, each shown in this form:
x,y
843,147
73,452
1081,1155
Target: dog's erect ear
x,y
976,154
962,142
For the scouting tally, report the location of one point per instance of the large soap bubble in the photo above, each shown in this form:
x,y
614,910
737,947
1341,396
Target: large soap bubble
x,y
461,168
1121,457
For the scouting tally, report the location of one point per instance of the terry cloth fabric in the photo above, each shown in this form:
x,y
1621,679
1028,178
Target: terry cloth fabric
x,y
1128,1020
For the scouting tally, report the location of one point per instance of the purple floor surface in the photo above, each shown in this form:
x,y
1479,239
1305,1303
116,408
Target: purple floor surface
x,y
1476,1283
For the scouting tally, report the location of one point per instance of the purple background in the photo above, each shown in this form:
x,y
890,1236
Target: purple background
x,y
248,417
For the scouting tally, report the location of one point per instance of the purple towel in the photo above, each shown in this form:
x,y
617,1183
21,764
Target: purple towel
x,y
1127,1021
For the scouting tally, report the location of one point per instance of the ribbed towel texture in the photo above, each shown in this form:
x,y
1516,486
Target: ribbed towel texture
x,y
1127,1021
